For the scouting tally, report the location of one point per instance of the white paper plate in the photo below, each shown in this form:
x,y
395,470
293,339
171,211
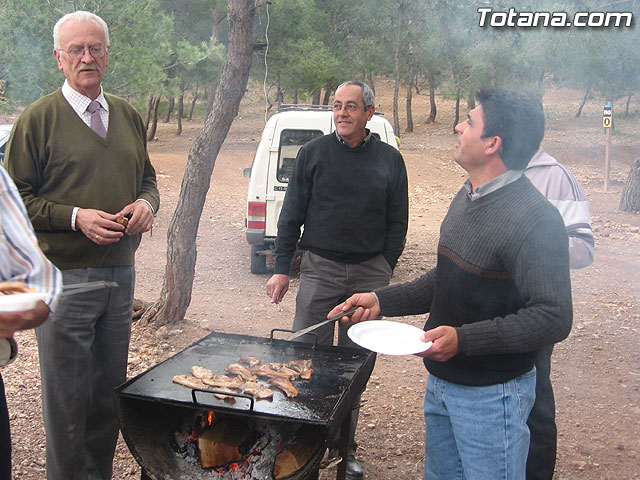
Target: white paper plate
x,y
391,338
20,302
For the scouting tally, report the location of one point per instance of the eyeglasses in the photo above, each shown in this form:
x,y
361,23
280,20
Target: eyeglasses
x,y
349,107
97,51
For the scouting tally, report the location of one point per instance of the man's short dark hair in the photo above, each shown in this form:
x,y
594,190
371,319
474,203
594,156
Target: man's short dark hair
x,y
518,119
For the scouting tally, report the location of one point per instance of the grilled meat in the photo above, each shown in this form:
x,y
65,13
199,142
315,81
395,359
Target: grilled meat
x,y
222,396
122,220
272,370
9,287
303,367
249,360
189,381
224,381
201,372
241,370
258,390
285,385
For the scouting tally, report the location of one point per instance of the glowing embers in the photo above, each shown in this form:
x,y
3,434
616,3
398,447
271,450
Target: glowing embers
x,y
230,448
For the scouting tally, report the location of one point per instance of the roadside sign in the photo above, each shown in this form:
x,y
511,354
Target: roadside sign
x,y
607,116
607,123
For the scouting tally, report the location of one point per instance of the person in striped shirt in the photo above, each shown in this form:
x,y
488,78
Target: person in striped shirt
x,y
20,260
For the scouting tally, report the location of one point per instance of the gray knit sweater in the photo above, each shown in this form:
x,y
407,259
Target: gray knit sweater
x,y
501,279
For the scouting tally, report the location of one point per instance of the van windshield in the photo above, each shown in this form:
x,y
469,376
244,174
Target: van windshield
x,y
290,142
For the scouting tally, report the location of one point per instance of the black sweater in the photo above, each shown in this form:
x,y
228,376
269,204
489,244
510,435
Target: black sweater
x,y
501,279
353,203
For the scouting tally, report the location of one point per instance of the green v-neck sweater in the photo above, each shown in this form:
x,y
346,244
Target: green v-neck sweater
x,y
59,163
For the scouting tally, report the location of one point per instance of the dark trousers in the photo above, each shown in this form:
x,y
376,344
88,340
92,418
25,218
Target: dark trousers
x,y
5,436
323,285
83,350
541,461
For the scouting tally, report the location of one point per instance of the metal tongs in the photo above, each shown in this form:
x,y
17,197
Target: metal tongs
x,y
331,319
86,287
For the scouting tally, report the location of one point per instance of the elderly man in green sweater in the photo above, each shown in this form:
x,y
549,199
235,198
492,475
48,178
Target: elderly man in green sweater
x,y
79,159
499,293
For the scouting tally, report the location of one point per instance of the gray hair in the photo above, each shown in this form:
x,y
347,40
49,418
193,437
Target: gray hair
x,y
79,16
368,97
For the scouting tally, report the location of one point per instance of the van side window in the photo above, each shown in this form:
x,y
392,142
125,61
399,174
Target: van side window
x,y
290,142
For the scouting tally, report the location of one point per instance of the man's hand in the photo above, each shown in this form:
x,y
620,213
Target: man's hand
x,y
445,343
98,226
370,308
277,286
10,323
140,217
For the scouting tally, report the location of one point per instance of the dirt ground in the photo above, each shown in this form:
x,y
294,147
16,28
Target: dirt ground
x,y
596,371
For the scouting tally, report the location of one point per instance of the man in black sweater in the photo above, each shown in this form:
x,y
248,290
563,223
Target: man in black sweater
x,y
499,293
349,190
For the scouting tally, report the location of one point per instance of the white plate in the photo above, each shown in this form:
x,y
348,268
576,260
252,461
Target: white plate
x,y
20,302
391,338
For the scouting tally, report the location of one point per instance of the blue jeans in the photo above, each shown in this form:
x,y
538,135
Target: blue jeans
x,y
477,433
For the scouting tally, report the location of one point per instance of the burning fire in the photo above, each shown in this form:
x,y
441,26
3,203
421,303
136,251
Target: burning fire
x,y
228,448
201,426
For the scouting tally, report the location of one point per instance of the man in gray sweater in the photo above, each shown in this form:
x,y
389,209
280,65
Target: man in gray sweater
x,y
499,293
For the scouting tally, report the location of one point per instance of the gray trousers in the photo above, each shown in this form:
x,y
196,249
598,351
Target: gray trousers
x,y
323,285
83,350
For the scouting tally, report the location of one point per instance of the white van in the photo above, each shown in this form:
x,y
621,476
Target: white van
x,y
284,134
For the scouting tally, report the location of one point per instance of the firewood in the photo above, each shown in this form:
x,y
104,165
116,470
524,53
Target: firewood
x,y
296,455
223,443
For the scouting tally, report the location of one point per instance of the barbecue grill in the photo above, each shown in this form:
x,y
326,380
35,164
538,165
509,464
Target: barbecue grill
x,y
151,408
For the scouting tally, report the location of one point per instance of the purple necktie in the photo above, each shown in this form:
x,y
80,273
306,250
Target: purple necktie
x,y
96,122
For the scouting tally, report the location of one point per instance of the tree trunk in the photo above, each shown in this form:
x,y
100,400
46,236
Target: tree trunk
x,y
471,100
316,98
584,101
630,201
327,95
456,118
279,93
371,83
193,103
151,132
211,95
295,95
147,114
180,108
396,69
167,115
433,110
626,107
175,295
409,112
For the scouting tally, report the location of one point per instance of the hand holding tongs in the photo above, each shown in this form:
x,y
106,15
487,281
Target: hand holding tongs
x,y
86,287
331,319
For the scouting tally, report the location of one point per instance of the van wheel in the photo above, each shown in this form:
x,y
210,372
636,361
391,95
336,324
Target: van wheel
x,y
258,260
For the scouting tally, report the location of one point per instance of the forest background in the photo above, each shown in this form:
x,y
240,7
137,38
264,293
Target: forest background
x,y
175,51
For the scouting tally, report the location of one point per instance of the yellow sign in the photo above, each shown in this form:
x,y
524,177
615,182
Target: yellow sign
x,y
607,116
